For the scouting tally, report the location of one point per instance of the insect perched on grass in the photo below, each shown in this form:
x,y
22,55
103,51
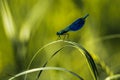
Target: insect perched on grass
x,y
76,25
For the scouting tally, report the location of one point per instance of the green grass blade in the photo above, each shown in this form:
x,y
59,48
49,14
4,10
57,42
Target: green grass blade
x,y
89,58
37,78
114,77
103,66
45,68
40,49
50,59
87,55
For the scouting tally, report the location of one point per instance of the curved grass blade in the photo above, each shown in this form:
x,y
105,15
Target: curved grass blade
x,y
47,62
114,77
90,62
89,58
103,66
45,68
99,61
40,49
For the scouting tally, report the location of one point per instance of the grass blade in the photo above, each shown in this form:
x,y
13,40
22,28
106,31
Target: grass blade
x,y
89,58
40,49
45,68
47,62
87,55
114,77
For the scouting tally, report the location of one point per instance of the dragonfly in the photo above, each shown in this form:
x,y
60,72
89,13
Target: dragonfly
x,y
75,26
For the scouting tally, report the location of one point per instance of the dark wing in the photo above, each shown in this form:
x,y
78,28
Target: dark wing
x,y
76,25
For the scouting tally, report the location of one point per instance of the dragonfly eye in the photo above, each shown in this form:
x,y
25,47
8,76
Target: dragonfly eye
x,y
58,33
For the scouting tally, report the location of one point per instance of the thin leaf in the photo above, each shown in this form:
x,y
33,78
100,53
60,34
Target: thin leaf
x,y
89,58
87,55
114,77
40,49
47,62
45,68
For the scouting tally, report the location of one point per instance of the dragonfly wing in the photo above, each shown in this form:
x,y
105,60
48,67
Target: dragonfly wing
x,y
67,29
77,24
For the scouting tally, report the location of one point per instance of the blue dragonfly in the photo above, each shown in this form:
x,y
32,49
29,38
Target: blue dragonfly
x,y
76,25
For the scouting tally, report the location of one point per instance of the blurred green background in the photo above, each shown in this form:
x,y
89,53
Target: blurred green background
x,y
27,25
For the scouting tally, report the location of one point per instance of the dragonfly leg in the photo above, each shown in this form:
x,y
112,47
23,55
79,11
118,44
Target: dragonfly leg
x,y
59,37
66,36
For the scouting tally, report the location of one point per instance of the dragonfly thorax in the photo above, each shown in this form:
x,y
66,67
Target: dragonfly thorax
x,y
61,32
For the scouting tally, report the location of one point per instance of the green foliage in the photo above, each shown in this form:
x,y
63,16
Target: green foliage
x,y
27,25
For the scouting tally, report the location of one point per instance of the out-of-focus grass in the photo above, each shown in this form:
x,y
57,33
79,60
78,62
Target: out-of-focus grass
x,y
27,25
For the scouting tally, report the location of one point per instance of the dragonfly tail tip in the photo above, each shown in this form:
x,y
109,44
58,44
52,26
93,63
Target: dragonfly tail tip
x,y
85,16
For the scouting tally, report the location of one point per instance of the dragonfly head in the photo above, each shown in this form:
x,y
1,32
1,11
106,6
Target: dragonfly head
x,y
58,33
